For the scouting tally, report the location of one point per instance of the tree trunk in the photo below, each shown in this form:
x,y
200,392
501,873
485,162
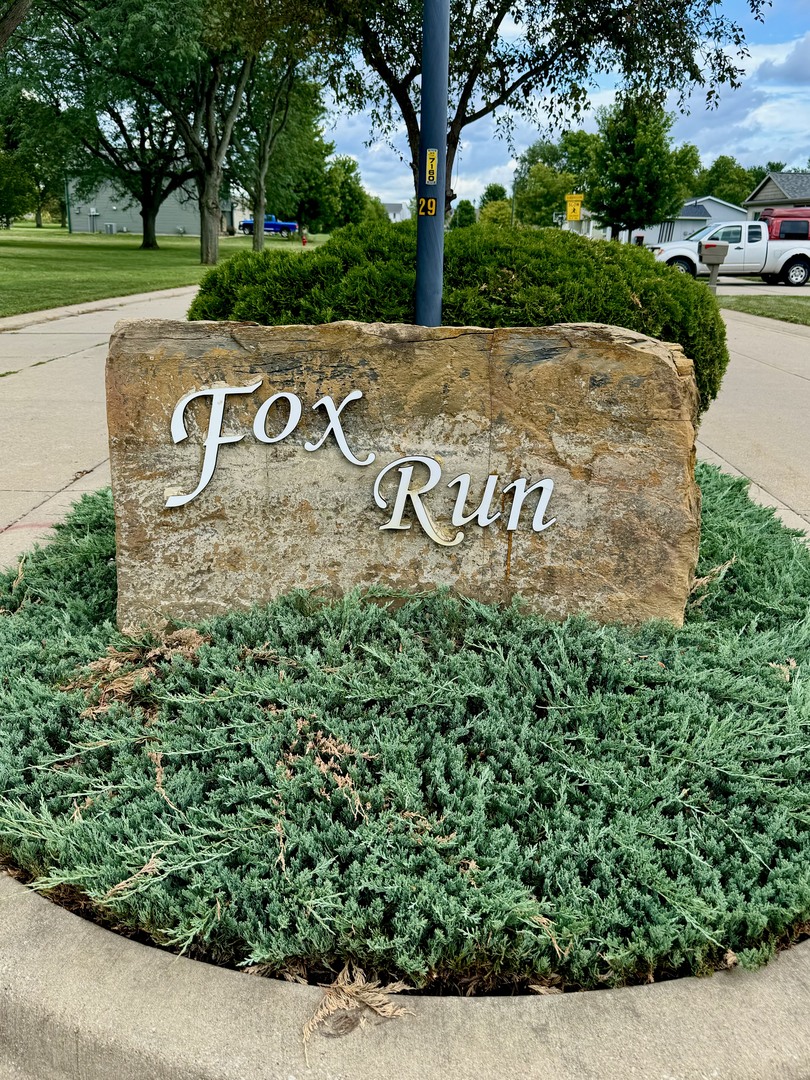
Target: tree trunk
x,y
208,188
149,213
38,217
259,210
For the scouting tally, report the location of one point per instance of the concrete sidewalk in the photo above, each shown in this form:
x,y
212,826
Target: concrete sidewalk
x,y
759,426
53,417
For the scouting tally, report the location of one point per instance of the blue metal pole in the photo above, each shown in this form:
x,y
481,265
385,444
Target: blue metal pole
x,y
432,162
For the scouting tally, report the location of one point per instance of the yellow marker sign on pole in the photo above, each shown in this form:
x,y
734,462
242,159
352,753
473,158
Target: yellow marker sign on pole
x,y
431,166
573,207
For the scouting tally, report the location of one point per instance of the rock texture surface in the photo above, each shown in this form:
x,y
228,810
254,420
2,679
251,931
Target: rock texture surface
x,y
605,414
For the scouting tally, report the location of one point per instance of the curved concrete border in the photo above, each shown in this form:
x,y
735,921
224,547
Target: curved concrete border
x,y
80,1003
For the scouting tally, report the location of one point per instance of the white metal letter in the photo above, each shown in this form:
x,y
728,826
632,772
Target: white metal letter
x,y
521,491
259,424
405,492
213,440
333,412
484,507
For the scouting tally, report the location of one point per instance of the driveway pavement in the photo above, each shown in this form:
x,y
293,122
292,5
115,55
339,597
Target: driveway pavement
x,y
53,427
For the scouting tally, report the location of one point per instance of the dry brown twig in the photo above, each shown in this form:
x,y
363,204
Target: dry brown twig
x,y
151,867
717,573
351,990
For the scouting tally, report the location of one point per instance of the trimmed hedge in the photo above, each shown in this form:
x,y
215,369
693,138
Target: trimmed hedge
x,y
493,277
451,792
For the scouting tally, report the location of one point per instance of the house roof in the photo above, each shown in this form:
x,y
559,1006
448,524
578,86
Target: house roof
x,y
694,209
793,186
723,202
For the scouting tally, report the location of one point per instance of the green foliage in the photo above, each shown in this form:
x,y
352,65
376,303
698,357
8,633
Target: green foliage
x,y
17,194
375,211
464,215
457,793
498,213
492,193
727,179
637,178
493,277
542,195
572,153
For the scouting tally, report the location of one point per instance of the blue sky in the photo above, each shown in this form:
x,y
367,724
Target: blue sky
x,y
767,119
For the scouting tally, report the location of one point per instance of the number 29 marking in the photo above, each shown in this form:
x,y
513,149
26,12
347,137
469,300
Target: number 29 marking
x,y
427,208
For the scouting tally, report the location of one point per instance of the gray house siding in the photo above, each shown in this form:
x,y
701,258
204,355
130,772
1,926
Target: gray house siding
x,y
178,215
694,215
780,189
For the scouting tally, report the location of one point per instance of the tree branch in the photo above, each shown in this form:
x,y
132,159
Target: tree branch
x,y
12,18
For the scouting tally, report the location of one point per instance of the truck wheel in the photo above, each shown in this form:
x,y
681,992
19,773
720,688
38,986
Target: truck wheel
x,y
796,272
770,279
683,266
246,229
284,234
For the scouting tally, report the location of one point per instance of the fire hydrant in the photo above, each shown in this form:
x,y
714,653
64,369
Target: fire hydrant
x,y
303,238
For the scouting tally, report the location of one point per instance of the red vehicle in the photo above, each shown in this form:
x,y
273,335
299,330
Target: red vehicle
x,y
787,222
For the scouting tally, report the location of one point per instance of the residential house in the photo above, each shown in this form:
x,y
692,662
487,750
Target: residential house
x,y
779,189
693,216
106,212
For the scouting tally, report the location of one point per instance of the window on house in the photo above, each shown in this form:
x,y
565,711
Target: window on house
x,y
665,232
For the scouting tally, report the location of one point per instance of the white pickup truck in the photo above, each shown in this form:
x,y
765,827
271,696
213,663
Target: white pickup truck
x,y
750,251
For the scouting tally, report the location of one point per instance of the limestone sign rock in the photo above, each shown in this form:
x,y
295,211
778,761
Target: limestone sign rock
x,y
555,464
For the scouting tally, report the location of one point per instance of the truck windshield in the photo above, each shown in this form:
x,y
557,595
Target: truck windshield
x,y
700,233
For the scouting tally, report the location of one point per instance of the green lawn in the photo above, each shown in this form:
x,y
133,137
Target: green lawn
x,y
795,309
49,267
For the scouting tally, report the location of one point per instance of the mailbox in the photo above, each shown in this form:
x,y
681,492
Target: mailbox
x,y
712,252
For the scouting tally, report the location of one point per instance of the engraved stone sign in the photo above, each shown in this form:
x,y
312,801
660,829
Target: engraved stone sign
x,y
556,464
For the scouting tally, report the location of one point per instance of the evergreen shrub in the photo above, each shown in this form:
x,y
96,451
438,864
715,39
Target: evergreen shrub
x,y
459,794
493,277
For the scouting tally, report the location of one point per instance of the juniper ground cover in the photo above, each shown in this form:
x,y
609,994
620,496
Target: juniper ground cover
x,y
460,795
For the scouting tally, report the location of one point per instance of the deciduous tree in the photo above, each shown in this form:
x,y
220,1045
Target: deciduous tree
x,y
280,111
542,194
726,179
492,193
536,59
637,177
463,215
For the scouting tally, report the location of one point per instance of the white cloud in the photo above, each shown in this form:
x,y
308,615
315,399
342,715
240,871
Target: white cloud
x,y
764,120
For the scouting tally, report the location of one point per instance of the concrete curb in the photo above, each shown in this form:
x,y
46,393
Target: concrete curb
x,y
80,1003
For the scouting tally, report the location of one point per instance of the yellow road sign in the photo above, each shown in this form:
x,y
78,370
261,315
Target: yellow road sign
x,y
573,207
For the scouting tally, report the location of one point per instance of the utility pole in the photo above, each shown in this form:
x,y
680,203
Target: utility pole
x,y
432,162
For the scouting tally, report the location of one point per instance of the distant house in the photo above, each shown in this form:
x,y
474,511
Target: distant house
x,y
695,214
779,189
105,212
398,211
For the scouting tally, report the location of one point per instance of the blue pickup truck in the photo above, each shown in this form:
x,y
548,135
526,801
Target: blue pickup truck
x,y
285,229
